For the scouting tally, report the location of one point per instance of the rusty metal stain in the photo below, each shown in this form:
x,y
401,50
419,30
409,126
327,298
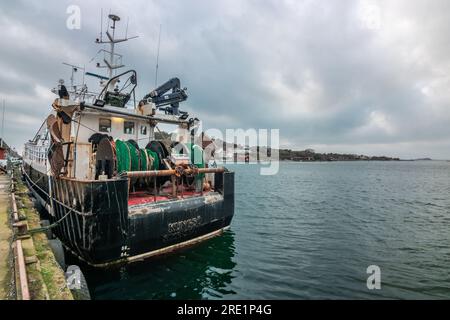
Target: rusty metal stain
x,y
144,210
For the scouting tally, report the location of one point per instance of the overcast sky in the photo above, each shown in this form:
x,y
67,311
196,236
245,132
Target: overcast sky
x,y
366,77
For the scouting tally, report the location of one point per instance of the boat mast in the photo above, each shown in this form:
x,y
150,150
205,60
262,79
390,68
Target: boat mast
x,y
74,69
111,57
110,64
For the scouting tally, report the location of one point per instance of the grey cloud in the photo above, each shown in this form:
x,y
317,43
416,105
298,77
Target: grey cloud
x,y
311,68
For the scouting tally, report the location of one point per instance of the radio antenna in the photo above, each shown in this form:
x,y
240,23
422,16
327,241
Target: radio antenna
x,y
3,122
157,57
101,24
107,26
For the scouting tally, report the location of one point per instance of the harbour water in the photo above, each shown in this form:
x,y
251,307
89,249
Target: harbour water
x,y
310,232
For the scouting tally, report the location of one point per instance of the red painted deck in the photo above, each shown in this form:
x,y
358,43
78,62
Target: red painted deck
x,y
142,197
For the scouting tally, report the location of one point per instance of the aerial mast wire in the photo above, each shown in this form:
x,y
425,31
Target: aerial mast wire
x,y
101,24
107,25
3,122
157,56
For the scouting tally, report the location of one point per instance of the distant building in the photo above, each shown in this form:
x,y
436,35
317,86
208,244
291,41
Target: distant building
x,y
3,153
5,150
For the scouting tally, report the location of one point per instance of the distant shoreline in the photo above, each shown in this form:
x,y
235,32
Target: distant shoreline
x,y
369,160
309,155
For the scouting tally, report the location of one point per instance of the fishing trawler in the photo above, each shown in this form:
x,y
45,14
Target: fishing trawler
x,y
113,193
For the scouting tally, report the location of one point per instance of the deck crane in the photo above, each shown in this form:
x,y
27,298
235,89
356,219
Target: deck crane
x,y
168,102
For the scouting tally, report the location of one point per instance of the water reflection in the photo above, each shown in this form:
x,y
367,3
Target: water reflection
x,y
202,272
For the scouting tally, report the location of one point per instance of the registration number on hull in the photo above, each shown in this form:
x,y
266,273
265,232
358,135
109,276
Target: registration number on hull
x,y
184,226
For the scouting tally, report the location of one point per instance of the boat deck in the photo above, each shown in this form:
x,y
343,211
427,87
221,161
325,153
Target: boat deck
x,y
143,197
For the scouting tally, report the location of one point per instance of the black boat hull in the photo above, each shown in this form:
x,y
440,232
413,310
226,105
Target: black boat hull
x,y
97,224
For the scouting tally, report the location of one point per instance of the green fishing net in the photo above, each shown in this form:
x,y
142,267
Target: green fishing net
x,y
123,156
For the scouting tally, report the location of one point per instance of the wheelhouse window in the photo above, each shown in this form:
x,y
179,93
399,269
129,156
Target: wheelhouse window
x,y
104,125
128,127
144,130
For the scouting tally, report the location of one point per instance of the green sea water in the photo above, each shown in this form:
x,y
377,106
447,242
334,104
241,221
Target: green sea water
x,y
310,232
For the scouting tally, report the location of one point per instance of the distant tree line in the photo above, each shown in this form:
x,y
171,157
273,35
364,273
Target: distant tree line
x,y
288,154
311,155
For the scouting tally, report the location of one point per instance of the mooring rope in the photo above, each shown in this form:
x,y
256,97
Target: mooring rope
x,y
53,225
59,202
